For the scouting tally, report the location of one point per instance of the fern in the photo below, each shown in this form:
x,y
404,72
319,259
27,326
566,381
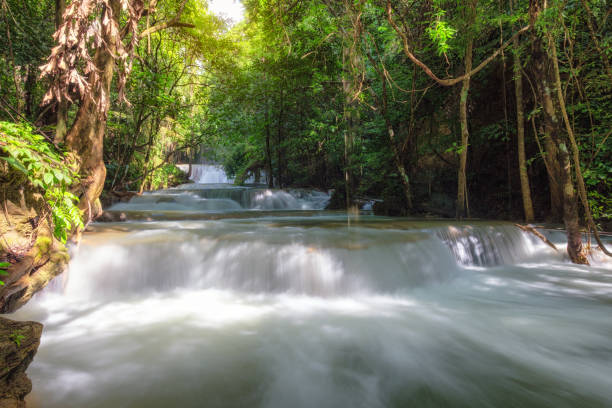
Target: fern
x,y
46,169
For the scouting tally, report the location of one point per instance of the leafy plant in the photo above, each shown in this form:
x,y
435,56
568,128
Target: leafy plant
x,y
17,338
45,168
440,32
455,148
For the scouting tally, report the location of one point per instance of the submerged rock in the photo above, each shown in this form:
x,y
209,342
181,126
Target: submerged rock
x,y
19,342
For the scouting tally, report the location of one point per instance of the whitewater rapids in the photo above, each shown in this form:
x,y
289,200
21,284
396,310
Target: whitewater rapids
x,y
317,309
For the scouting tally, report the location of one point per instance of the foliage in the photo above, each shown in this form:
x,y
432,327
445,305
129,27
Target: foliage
x,y
46,169
440,32
17,338
275,94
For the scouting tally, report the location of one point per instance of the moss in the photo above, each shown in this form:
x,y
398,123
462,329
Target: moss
x,y
44,244
60,255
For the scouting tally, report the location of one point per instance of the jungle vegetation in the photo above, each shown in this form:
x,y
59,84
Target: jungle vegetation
x,y
498,109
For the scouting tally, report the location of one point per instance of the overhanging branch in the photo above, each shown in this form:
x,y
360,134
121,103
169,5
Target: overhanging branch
x,y
428,71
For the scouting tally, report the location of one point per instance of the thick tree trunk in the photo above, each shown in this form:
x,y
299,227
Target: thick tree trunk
x,y
570,210
350,123
554,177
545,84
462,182
86,136
61,126
520,132
574,146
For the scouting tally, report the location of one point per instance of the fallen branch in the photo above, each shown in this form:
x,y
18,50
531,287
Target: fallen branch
x,y
529,228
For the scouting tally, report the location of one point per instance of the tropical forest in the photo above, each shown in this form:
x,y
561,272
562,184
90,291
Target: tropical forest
x,y
305,203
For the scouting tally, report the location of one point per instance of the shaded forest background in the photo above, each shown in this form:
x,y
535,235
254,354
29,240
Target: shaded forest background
x,y
324,94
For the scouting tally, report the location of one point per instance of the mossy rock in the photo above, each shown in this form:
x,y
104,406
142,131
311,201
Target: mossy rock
x,y
19,342
27,243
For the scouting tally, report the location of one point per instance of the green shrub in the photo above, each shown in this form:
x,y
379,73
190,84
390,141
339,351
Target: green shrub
x,y
46,169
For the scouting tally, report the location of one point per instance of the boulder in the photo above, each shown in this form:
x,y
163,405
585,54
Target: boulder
x,y
28,244
19,342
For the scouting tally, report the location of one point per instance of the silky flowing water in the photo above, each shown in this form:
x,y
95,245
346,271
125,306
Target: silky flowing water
x,y
217,296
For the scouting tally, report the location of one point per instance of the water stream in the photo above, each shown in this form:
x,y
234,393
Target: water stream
x,y
220,296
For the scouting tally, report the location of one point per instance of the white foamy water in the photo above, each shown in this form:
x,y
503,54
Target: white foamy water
x,y
291,310
211,192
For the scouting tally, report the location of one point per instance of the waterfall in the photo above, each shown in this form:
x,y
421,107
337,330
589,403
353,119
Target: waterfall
x,y
197,198
224,296
206,173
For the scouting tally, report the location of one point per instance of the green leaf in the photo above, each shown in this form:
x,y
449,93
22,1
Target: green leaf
x,y
48,178
59,175
16,164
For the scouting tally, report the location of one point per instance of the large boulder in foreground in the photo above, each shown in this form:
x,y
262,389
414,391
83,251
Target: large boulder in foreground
x,y
19,342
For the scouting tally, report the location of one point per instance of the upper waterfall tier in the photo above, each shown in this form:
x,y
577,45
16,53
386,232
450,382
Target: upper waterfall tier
x,y
200,198
212,193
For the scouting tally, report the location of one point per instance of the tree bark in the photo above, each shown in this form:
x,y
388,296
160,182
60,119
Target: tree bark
x,y
349,121
462,182
545,84
61,127
279,139
399,164
269,172
86,136
520,132
574,146
554,177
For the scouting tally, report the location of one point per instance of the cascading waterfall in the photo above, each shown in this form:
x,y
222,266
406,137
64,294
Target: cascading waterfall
x,y
317,309
206,173
201,199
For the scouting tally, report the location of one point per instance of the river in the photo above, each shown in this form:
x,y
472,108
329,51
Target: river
x,y
219,296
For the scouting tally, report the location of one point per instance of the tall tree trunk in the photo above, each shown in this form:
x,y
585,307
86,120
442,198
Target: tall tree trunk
x,y
554,177
545,84
61,127
30,86
520,132
350,124
462,183
86,136
279,139
269,172
399,164
582,193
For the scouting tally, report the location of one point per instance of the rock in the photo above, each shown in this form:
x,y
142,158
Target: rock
x,y
19,342
28,244
112,216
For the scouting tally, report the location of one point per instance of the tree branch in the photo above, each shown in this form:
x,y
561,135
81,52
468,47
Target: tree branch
x,y
428,71
174,22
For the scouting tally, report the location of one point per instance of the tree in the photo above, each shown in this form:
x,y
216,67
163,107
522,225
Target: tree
x,y
112,34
